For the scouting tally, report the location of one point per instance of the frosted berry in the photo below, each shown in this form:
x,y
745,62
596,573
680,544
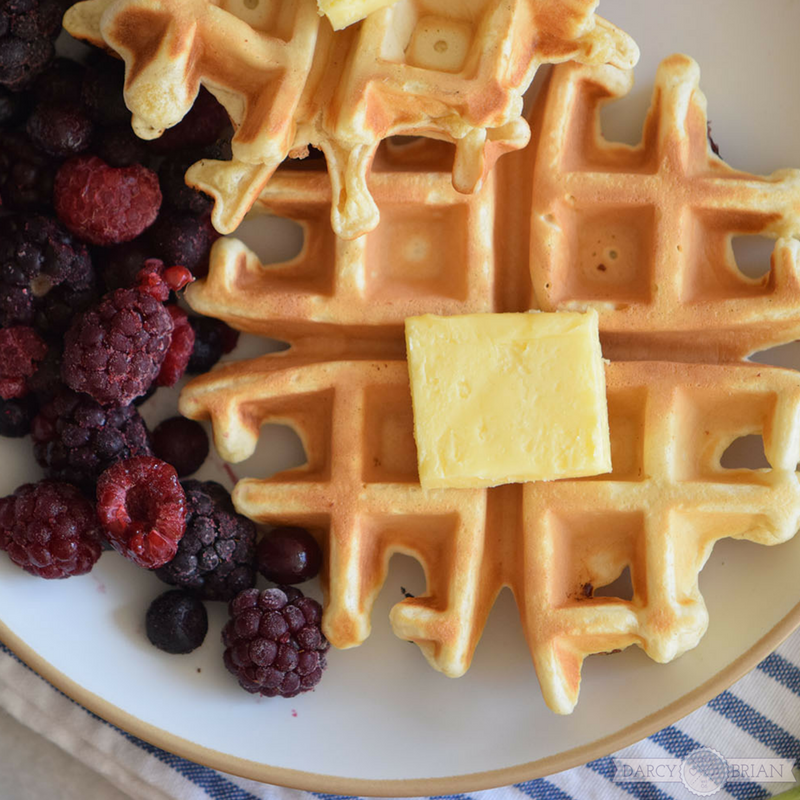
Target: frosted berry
x,y
216,557
177,622
105,205
50,529
180,348
142,508
212,339
76,438
181,442
273,642
28,29
60,129
289,555
21,350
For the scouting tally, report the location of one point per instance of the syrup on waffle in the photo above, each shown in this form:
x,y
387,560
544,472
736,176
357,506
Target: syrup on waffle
x,y
343,386
421,67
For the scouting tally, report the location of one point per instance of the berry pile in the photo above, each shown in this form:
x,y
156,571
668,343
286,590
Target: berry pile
x,y
98,235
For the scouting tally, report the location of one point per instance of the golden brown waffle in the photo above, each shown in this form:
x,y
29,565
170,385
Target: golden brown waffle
x,y
421,67
643,234
343,385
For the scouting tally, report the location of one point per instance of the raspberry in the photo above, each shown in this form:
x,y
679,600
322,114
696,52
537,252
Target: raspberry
x,y
104,205
21,350
176,622
216,557
289,555
102,91
114,351
16,417
274,643
182,239
180,348
27,31
50,529
36,254
74,437
26,174
202,126
60,129
182,443
142,509
212,339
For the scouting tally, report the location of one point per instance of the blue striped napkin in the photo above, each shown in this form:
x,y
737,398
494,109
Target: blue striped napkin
x,y
759,717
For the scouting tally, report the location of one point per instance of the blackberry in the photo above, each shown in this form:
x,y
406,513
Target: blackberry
x,y
181,442
182,239
273,642
60,129
216,557
114,351
28,29
212,339
50,529
16,416
142,508
76,439
36,254
26,174
176,622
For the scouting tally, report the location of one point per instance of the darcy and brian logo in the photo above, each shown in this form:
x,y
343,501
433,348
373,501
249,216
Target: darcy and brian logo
x,y
704,771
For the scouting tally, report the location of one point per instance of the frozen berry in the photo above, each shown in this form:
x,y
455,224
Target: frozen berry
x,y
216,557
180,348
75,438
205,122
181,442
102,91
120,265
26,174
46,383
273,642
289,555
16,416
28,29
60,83
50,529
212,339
177,622
21,350
142,508
105,205
114,351
36,254
177,194
119,146
54,313
13,107
60,129
182,239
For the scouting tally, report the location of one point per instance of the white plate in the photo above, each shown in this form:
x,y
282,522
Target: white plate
x,y
382,721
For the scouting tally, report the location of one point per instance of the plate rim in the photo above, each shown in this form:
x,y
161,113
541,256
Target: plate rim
x,y
406,787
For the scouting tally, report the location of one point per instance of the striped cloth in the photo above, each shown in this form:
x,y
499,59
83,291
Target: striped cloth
x,y
759,717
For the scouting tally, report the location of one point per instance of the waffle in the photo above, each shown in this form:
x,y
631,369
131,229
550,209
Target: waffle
x,y
420,67
343,386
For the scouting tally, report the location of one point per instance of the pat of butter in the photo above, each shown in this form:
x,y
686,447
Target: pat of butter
x,y
507,398
342,13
